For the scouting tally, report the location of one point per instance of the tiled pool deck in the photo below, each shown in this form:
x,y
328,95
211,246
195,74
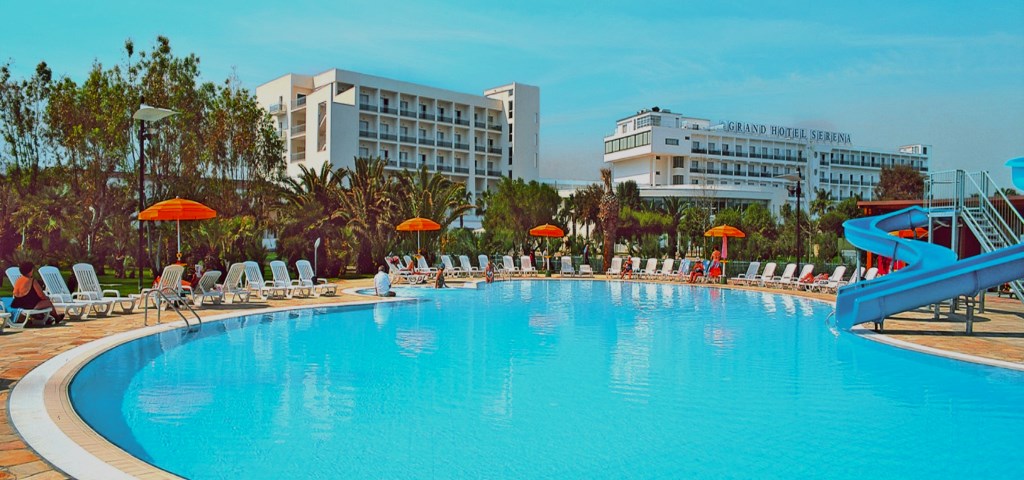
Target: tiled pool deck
x,y
998,335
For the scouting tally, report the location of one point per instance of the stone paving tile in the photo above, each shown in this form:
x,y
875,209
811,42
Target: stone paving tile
x,y
999,334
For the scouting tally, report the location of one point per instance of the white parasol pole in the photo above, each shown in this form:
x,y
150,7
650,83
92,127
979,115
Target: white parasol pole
x,y
179,239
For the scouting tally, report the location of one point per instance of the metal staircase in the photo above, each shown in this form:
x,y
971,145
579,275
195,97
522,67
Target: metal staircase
x,y
974,200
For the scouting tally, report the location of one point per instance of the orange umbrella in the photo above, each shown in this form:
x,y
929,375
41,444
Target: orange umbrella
x,y
725,231
177,209
547,230
418,225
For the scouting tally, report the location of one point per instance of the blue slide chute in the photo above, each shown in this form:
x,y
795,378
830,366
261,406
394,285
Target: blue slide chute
x,y
933,273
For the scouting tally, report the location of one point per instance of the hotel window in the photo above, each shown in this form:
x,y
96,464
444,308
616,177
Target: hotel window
x,y
631,141
678,162
671,141
725,148
695,181
695,164
739,149
764,151
364,152
623,128
384,153
440,159
789,153
678,179
775,170
696,145
776,152
404,105
423,108
364,126
440,136
423,158
423,133
403,156
364,99
711,146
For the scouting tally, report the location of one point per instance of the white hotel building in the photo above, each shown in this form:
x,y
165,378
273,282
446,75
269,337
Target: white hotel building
x,y
338,115
736,163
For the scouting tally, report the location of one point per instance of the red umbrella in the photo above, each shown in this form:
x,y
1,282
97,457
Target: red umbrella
x,y
177,209
547,230
725,231
418,225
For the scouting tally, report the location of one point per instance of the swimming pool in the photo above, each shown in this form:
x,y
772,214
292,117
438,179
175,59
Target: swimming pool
x,y
541,379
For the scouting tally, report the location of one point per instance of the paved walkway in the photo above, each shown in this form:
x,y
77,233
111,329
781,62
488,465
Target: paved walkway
x,y
998,334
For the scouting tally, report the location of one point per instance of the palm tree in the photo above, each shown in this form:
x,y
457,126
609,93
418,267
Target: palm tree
x,y
609,214
822,202
588,205
368,205
674,208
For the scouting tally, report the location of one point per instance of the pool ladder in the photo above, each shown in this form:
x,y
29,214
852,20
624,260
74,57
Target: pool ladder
x,y
157,296
833,326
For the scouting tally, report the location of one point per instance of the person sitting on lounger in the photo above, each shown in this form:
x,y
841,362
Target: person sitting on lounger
x,y
697,271
28,294
627,269
382,283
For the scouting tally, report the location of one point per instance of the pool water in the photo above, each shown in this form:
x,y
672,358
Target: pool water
x,y
540,379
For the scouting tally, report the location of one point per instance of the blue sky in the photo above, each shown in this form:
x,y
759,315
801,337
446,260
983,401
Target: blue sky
x,y
949,74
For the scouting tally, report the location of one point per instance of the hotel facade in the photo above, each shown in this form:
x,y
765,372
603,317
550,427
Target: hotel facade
x,y
734,164
335,116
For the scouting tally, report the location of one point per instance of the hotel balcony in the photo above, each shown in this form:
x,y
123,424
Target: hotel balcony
x,y
299,103
480,149
426,116
493,173
496,126
388,136
444,143
366,107
407,164
462,146
277,109
463,170
462,121
408,113
367,134
444,119
480,124
494,150
407,139
390,162
388,110
426,141
481,171
299,129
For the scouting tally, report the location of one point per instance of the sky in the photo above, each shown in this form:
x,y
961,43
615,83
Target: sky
x,y
949,74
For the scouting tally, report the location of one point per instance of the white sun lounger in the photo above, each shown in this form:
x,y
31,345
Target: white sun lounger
x,y
526,266
509,267
795,283
787,275
468,267
766,275
666,270
232,287
832,284
206,289
282,279
89,287
450,270
745,278
567,270
18,318
615,269
399,274
170,288
256,284
321,286
74,306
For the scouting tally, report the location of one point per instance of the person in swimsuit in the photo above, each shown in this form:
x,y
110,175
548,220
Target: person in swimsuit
x,y
489,272
28,294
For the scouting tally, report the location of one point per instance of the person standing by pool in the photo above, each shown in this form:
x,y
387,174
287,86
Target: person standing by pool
x,y
439,281
489,272
382,283
627,269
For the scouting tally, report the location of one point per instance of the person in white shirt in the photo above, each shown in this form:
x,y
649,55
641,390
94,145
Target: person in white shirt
x,y
382,283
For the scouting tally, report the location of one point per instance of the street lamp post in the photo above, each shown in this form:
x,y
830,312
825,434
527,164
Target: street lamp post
x,y
796,190
145,114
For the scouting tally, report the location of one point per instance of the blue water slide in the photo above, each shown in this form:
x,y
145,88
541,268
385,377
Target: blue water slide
x,y
933,273
1017,171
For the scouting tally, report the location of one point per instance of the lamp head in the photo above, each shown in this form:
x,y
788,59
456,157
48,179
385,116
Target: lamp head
x,y
147,113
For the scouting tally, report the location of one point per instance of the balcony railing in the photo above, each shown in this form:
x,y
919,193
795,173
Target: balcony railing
x,y
444,143
426,141
388,136
462,146
426,116
389,110
464,170
480,148
298,129
493,173
408,113
367,134
407,139
442,118
481,171
409,164
699,150
496,126
391,163
480,124
297,156
277,108
367,107
494,150
299,103
462,121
